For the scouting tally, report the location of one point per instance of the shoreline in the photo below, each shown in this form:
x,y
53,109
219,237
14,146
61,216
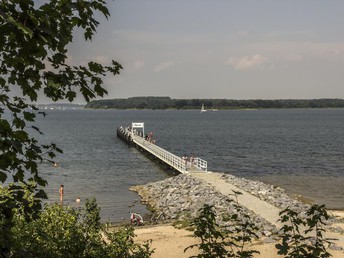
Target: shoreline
x,y
180,197
170,242
152,196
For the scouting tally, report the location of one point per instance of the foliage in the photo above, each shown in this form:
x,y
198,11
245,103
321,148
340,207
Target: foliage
x,y
16,199
168,103
34,61
304,237
122,244
212,238
91,216
241,232
217,241
60,231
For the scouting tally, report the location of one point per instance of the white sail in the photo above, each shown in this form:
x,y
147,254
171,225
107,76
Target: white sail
x,y
203,109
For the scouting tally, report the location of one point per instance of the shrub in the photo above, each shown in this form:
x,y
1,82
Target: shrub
x,y
217,241
62,231
303,238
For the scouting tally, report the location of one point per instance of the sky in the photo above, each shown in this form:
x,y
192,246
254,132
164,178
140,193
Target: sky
x,y
266,49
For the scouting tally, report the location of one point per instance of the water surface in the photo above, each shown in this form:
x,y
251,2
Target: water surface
x,y
300,150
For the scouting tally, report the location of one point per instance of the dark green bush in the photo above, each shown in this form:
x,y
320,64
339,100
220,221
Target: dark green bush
x,y
62,231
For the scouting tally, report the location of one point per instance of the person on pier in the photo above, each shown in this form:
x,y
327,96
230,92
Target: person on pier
x,y
185,159
192,161
150,137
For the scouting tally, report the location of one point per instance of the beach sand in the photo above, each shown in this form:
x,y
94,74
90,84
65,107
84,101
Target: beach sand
x,y
170,242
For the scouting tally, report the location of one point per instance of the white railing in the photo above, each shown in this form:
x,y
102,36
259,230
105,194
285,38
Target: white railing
x,y
168,157
178,163
201,164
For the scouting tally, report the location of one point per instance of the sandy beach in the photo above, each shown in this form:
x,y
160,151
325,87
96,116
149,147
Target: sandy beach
x,y
170,242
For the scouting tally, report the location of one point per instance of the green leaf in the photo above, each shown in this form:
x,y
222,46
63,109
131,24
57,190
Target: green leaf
x,y
3,176
95,67
41,194
20,26
36,128
29,116
51,83
71,95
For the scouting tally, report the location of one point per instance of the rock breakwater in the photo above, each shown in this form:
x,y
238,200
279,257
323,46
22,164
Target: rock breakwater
x,y
181,197
276,196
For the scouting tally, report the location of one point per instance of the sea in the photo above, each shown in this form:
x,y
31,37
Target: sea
x,y
300,150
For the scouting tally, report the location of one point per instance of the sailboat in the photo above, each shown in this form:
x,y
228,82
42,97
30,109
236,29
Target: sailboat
x,y
214,109
202,109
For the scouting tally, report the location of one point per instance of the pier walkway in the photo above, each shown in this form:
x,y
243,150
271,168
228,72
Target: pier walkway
x,y
181,164
253,203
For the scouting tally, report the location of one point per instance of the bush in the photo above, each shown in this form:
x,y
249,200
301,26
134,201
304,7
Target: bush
x,y
62,231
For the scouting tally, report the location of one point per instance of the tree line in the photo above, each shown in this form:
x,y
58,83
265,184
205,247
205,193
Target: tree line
x,y
169,103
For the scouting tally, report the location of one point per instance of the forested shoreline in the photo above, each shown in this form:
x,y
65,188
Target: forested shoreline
x,y
169,103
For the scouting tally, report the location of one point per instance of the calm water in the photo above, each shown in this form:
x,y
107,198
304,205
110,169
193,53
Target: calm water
x,y
299,150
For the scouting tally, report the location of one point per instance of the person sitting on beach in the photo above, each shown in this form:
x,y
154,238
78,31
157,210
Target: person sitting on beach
x,y
136,219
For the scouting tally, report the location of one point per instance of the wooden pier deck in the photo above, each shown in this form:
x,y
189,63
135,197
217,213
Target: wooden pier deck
x,y
180,164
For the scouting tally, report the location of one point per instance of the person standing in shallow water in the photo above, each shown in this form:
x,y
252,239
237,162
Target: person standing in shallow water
x,y
61,193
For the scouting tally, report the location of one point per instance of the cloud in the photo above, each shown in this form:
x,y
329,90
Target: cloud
x,y
139,64
298,49
294,57
104,60
163,66
246,62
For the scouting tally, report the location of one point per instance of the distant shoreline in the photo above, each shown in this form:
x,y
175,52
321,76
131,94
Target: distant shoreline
x,y
219,110
167,103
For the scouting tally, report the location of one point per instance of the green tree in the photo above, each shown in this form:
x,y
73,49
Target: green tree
x,y
181,103
33,60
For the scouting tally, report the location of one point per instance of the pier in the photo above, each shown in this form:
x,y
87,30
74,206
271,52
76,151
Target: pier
x,y
266,211
135,136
